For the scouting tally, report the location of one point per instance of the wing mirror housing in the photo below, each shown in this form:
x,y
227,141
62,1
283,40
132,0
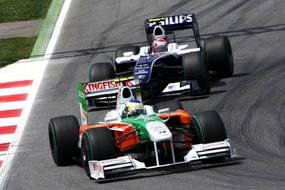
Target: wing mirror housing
x,y
112,116
165,110
128,54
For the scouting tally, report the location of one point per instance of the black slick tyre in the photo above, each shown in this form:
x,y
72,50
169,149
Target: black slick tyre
x,y
196,71
193,66
63,138
219,56
97,144
101,71
209,126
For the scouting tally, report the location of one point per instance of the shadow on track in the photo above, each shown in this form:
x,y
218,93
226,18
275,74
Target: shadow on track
x,y
110,49
216,82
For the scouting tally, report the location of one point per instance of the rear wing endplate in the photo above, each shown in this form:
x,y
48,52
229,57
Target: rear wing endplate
x,y
173,23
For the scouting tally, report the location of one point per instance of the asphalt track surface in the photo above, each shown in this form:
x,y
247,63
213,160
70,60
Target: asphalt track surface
x,y
251,102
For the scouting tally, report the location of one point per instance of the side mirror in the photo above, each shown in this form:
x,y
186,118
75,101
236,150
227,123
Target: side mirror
x,y
144,51
165,110
111,117
183,47
128,54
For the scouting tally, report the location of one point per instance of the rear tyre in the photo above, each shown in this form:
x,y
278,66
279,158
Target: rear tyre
x,y
120,53
219,56
63,138
195,70
97,144
101,71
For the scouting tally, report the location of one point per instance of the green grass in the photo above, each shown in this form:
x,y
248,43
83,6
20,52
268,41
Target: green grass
x,y
47,28
19,10
12,50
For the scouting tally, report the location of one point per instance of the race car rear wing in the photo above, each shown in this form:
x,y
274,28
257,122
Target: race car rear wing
x,y
173,23
102,95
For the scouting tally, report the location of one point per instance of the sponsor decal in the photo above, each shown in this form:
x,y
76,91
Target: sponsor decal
x,y
156,19
81,94
171,20
84,116
120,160
144,65
141,71
106,85
214,145
211,145
97,167
141,76
96,170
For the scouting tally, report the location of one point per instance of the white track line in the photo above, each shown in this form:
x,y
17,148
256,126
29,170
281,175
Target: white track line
x,y
37,80
57,29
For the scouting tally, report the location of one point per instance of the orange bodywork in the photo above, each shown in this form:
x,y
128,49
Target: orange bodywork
x,y
125,135
183,116
184,119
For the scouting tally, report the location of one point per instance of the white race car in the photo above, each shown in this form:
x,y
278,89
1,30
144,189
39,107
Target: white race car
x,y
175,68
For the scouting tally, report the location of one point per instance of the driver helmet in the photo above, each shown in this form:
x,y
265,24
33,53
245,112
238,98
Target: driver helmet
x,y
133,108
159,45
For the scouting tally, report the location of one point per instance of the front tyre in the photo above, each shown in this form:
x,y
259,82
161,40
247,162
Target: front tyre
x,y
195,70
209,127
97,144
63,138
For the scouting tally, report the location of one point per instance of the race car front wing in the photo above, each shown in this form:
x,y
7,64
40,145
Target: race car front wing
x,y
99,169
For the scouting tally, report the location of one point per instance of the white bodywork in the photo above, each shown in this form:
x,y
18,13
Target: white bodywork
x,y
98,169
173,48
158,132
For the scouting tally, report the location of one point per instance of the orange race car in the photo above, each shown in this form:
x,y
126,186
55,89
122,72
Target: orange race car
x,y
135,136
